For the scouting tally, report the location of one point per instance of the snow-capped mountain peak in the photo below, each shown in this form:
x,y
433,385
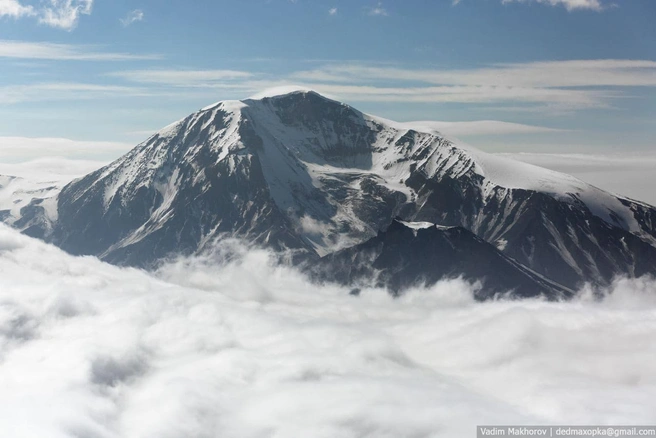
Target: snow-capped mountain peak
x,y
297,170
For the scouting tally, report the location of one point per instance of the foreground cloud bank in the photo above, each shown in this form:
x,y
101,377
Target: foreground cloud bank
x,y
253,350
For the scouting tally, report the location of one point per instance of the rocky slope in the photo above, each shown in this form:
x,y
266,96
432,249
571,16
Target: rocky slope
x,y
411,254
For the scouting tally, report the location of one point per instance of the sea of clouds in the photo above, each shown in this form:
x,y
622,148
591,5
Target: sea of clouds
x,y
252,349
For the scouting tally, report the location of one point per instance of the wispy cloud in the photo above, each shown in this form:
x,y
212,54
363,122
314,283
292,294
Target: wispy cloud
x,y
486,128
378,10
66,52
61,14
64,14
560,85
183,78
332,11
570,5
13,94
24,148
556,99
550,87
132,17
575,73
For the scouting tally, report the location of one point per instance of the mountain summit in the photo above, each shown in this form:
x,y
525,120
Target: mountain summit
x,y
304,172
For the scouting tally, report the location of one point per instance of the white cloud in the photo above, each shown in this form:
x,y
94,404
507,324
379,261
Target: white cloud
x,y
570,5
72,91
13,94
182,78
64,52
378,10
312,226
62,14
332,11
254,350
14,9
132,17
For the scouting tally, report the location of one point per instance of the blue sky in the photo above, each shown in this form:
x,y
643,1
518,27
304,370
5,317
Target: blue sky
x,y
580,73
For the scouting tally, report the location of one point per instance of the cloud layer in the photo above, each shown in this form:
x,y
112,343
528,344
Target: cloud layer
x,y
74,91
19,149
557,86
62,52
545,87
560,85
253,350
183,78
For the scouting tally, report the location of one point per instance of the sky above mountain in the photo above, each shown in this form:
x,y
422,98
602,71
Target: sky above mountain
x,y
508,75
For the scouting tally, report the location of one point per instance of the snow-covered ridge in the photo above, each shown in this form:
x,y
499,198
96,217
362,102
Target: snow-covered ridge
x,y
511,174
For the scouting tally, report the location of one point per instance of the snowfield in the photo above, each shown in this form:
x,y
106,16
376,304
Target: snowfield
x,y
254,350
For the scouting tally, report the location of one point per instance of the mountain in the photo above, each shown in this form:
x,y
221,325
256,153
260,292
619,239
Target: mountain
x,y
302,172
419,253
29,203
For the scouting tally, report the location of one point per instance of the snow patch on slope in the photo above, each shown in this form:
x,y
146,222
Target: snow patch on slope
x,y
417,225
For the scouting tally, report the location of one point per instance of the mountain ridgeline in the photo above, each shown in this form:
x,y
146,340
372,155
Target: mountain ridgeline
x,y
302,172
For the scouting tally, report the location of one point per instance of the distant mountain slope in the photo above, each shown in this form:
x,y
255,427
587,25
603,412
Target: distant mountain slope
x,y
303,172
28,204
